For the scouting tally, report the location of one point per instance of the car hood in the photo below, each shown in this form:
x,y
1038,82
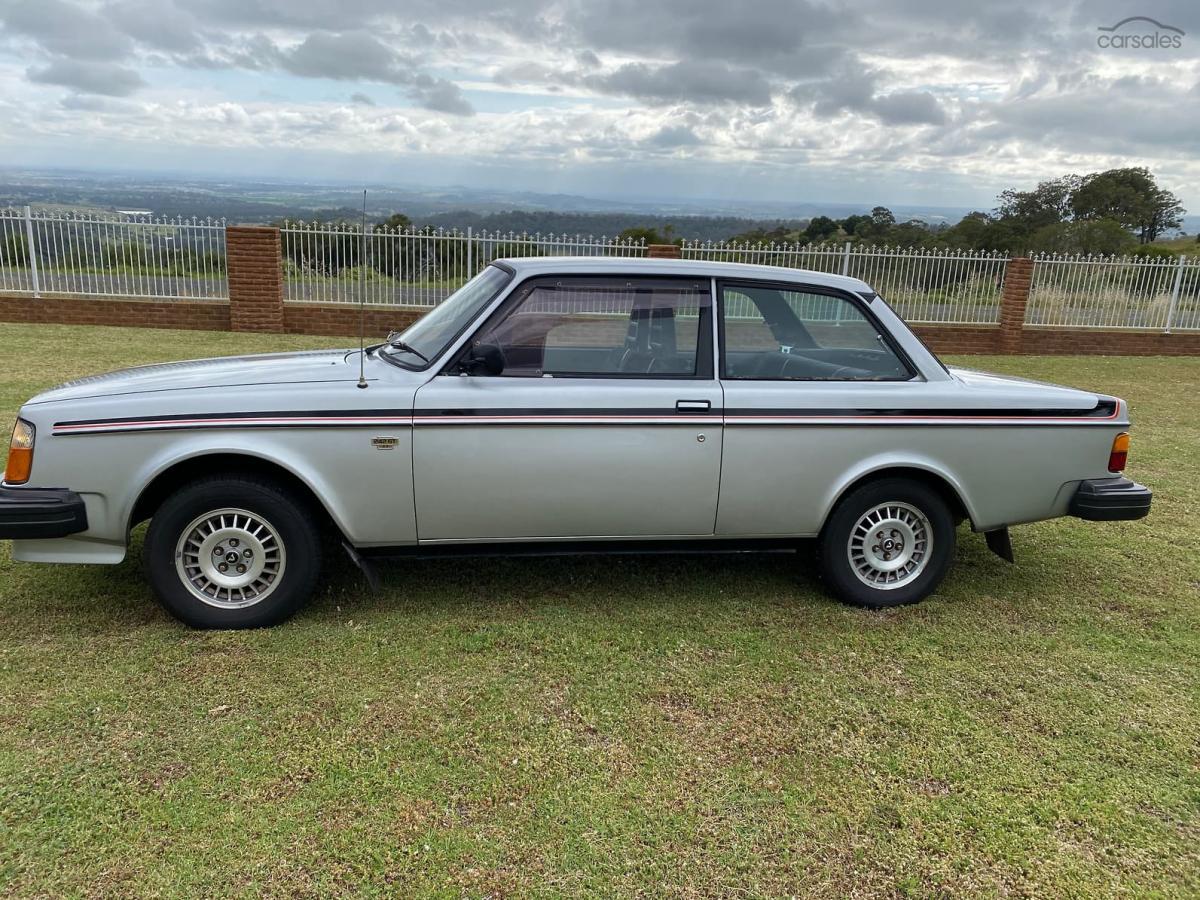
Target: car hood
x,y
231,371
1034,394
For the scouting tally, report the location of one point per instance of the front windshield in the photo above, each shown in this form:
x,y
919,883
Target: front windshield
x,y
433,332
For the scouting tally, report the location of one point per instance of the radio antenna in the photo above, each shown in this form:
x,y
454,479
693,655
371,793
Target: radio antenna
x,y
362,298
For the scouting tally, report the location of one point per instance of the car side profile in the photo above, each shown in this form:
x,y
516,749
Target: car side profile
x,y
560,404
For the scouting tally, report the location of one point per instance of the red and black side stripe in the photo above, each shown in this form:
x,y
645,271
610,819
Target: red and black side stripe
x,y
1104,412
264,419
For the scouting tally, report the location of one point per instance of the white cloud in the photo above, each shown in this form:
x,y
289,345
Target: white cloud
x,y
779,88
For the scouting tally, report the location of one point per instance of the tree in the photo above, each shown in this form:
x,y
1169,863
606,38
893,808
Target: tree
x,y
819,229
1166,213
972,231
1131,197
1152,252
913,233
1047,204
777,235
850,223
395,222
984,231
882,217
878,225
651,235
1103,236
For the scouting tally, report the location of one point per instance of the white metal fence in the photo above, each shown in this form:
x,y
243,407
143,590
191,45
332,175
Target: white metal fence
x,y
1115,292
949,286
126,256
411,267
136,256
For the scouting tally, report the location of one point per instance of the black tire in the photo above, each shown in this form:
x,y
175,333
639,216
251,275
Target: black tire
x,y
834,544
291,548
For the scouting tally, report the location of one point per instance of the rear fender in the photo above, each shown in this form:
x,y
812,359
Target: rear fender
x,y
879,465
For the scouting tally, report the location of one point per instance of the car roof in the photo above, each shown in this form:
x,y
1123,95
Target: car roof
x,y
616,265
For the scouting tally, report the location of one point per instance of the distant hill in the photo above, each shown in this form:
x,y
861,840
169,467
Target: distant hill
x,y
265,200
692,227
262,201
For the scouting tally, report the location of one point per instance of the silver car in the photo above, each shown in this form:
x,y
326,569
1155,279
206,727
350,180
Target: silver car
x,y
564,404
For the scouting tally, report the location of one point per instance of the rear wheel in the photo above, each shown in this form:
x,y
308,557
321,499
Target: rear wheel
x,y
232,553
887,543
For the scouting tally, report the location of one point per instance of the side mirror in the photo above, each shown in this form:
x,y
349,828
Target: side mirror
x,y
485,359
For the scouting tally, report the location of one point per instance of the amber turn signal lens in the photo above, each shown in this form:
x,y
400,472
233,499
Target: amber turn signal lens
x,y
20,454
1120,452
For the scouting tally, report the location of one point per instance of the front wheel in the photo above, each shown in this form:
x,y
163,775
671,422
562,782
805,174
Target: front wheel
x,y
232,553
887,543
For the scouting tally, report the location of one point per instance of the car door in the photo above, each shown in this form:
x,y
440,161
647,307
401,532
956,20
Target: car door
x,y
802,367
604,422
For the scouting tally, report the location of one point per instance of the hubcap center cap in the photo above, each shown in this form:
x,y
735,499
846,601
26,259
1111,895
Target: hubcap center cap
x,y
224,565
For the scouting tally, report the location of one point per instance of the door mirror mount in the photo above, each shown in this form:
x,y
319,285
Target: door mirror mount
x,y
484,359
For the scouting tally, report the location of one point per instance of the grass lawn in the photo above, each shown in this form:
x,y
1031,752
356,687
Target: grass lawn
x,y
659,726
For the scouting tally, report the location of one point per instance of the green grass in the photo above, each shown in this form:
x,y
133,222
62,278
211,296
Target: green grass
x,y
654,726
1188,245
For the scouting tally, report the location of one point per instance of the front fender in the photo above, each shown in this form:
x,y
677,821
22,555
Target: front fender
x,y
367,493
164,462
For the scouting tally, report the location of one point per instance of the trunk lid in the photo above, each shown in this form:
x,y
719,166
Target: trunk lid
x,y
1010,390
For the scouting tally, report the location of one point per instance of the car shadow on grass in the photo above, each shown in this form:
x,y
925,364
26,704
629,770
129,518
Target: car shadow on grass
x,y
116,599
489,586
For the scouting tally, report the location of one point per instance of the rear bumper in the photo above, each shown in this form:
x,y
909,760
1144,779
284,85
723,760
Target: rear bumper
x,y
30,513
1110,500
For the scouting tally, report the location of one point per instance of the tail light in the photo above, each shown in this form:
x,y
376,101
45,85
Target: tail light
x,y
1120,452
20,454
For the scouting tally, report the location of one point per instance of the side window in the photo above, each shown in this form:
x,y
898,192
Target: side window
x,y
606,328
776,334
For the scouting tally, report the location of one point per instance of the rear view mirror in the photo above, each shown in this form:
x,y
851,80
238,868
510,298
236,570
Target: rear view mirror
x,y
485,359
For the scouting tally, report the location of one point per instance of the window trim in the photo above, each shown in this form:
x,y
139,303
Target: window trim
x,y
916,335
448,347
704,335
808,288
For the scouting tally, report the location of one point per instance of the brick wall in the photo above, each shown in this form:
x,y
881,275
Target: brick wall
x,y
1044,341
1014,297
255,261
960,338
195,315
256,303
340,318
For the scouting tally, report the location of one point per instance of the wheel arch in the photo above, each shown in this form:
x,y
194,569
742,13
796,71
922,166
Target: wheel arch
x,y
200,464
945,484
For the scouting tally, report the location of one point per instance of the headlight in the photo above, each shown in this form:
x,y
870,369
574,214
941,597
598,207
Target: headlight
x,y
20,454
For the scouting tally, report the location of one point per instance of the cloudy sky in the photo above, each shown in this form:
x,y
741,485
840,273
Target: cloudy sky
x,y
902,102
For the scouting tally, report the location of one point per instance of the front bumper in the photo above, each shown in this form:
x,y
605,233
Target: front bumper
x,y
1110,500
30,513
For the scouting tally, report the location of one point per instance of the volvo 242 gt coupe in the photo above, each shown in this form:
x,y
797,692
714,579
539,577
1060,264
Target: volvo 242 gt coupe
x,y
564,405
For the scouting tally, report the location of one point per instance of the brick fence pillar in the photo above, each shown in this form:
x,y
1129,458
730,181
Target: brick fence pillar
x,y
255,262
1014,297
663,251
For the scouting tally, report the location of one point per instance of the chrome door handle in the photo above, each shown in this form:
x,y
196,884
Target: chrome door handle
x,y
692,405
